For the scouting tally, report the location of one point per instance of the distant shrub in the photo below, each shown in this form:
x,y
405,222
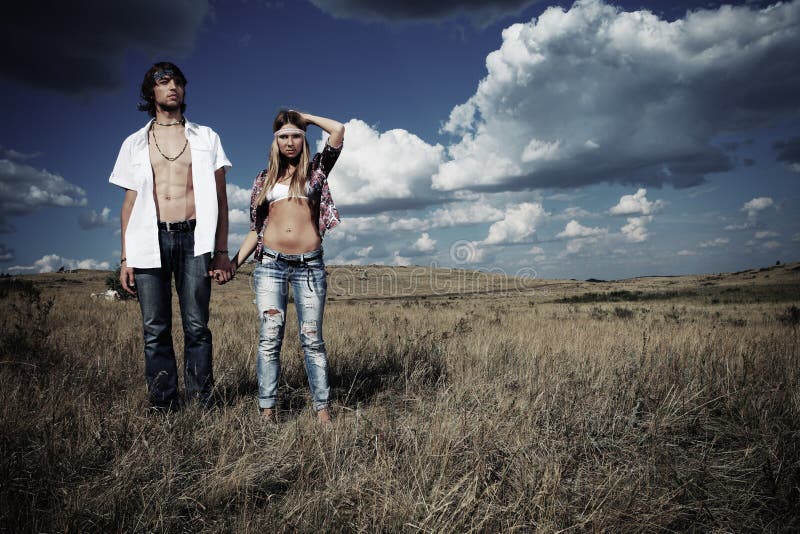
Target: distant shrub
x,y
10,285
790,316
26,327
598,313
462,326
625,296
623,313
673,315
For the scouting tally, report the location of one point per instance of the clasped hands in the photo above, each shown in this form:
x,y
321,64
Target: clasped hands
x,y
221,269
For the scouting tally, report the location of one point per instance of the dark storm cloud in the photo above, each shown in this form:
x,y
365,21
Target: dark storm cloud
x,y
482,13
788,151
72,47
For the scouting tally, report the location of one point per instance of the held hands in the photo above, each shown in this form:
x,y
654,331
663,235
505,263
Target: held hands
x,y
221,269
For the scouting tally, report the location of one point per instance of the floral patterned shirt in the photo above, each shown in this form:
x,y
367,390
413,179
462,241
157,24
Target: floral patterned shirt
x,y
319,197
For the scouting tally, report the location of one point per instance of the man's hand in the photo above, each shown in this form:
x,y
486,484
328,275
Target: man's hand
x,y
126,279
220,269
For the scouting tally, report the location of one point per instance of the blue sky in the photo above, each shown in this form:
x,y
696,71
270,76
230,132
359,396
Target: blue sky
x,y
594,139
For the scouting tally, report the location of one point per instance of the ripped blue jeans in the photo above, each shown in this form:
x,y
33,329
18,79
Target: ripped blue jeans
x,y
272,278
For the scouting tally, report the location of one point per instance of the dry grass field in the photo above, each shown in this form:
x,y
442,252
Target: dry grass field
x,y
463,402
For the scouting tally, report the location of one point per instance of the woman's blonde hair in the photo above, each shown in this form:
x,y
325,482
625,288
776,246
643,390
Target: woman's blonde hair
x,y
277,165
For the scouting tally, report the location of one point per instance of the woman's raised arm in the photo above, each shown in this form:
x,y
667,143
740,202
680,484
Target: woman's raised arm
x,y
334,128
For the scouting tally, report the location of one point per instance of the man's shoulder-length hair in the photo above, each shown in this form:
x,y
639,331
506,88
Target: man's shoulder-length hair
x,y
147,94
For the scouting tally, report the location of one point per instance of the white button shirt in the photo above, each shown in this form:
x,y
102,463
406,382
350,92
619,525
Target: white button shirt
x,y
134,171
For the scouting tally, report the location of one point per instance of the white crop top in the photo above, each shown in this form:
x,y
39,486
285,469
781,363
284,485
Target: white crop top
x,y
281,191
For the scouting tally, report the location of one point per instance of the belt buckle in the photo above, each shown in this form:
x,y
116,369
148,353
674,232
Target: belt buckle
x,y
169,227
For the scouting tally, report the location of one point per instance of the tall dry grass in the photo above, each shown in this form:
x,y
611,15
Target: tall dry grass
x,y
488,412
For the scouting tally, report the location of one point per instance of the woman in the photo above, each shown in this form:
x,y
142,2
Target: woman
x,y
290,210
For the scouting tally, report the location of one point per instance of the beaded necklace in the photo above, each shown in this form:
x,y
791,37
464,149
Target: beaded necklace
x,y
152,129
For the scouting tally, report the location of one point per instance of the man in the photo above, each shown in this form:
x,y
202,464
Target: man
x,y
174,224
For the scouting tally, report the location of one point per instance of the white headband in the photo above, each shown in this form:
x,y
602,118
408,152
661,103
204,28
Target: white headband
x,y
288,131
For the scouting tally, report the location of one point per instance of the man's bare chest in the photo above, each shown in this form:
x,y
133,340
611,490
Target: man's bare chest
x,y
171,160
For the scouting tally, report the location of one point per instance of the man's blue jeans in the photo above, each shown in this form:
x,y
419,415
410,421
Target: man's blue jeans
x,y
193,286
272,278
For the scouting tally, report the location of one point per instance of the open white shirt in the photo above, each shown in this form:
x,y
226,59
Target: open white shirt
x,y
134,171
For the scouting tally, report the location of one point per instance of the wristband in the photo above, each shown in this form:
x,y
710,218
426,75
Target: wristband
x,y
220,252
122,260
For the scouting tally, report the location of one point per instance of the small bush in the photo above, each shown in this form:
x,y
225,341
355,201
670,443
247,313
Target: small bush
x,y
598,313
625,296
673,315
790,316
112,282
10,285
623,313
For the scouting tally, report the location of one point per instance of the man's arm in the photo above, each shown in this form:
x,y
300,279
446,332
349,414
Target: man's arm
x,y
220,267
126,273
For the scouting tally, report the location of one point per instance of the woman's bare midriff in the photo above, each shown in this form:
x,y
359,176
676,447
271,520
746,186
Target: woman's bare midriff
x,y
290,227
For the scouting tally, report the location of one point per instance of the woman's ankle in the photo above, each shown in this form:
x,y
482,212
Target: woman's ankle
x,y
324,416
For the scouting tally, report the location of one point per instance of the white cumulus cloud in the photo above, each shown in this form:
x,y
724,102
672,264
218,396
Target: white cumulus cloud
x,y
752,208
24,189
238,197
386,169
575,229
464,213
717,242
636,229
518,224
425,243
399,260
765,234
595,94
756,205
53,262
239,217
92,219
636,204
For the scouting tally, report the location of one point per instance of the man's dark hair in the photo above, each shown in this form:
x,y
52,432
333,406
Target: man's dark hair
x,y
147,94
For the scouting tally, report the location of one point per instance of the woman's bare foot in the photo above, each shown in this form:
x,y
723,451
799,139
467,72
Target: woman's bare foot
x,y
324,416
268,414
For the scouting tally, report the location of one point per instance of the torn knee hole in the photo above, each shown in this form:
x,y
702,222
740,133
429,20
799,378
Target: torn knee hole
x,y
309,328
272,317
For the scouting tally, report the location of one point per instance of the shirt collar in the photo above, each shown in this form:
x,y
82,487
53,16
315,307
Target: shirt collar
x,y
190,127
191,130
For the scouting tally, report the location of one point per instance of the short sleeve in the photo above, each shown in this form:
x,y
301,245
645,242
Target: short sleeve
x,y
327,158
122,174
220,159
